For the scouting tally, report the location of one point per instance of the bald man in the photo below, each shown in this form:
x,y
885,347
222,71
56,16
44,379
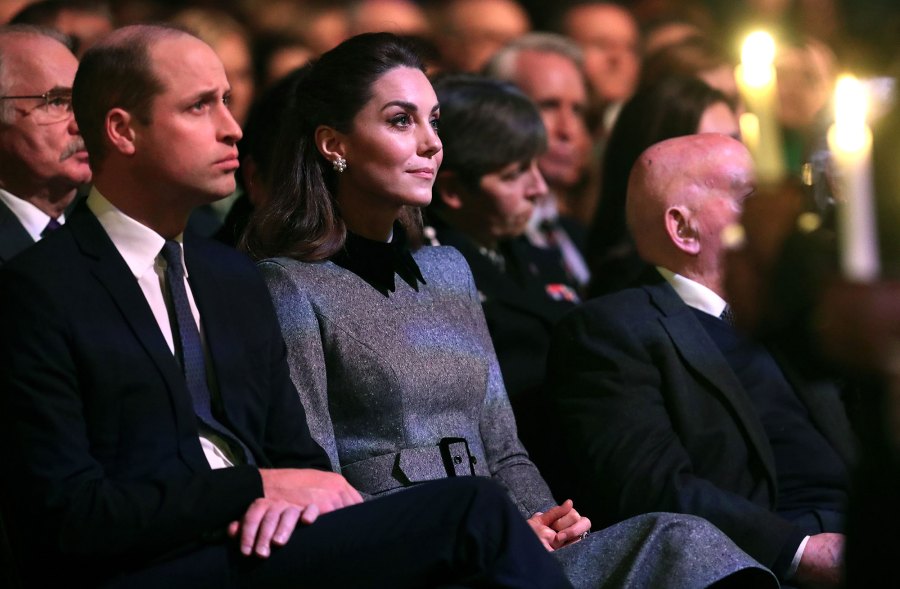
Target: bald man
x,y
668,408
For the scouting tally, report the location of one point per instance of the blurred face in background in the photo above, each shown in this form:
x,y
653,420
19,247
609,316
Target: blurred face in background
x,y
558,89
234,53
608,36
719,118
475,29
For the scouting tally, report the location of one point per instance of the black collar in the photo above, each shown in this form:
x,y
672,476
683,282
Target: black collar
x,y
376,262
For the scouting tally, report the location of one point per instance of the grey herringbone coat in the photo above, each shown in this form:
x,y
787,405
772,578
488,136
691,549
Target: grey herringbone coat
x,y
386,379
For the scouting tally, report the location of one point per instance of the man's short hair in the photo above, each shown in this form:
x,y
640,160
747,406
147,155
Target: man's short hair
x,y
22,30
117,73
503,64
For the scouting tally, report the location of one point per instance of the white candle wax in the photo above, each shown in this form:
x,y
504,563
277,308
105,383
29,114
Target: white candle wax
x,y
850,143
757,83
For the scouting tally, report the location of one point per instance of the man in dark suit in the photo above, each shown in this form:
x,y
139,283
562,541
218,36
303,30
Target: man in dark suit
x,y
152,434
42,156
668,408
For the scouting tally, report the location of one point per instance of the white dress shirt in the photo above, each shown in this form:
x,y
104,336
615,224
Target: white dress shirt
x,y
33,219
140,247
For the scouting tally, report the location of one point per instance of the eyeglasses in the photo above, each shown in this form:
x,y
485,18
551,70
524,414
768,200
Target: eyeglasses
x,y
56,106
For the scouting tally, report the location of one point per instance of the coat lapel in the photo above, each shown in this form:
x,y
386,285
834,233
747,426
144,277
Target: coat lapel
x,y
13,237
110,269
701,354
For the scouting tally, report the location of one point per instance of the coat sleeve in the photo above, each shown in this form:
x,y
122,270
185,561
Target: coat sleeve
x,y
305,353
52,478
608,378
508,460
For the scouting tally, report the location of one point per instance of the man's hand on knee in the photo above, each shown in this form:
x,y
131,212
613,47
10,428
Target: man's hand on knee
x,y
822,563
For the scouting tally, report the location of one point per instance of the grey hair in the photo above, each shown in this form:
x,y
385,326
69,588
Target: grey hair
x,y
22,31
503,64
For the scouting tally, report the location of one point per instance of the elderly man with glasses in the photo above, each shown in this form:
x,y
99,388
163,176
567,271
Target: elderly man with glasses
x,y
42,156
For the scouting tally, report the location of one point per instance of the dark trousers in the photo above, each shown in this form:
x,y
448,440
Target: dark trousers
x,y
461,532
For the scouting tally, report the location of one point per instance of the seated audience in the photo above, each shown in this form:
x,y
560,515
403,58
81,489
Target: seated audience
x,y
608,35
152,435
670,107
468,32
693,57
549,69
275,55
667,407
483,199
387,342
84,22
42,156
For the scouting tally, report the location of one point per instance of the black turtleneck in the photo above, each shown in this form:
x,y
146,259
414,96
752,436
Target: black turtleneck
x,y
377,262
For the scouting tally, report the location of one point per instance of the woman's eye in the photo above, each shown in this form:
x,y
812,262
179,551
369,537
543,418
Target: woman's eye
x,y
436,124
401,120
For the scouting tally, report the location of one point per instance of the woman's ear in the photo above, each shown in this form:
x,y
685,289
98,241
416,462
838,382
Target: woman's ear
x,y
120,131
330,143
449,190
682,230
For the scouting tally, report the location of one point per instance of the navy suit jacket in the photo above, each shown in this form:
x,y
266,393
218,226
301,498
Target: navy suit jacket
x,y
13,237
105,471
657,420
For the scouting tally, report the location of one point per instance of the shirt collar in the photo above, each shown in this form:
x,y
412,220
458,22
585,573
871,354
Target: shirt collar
x,y
138,244
377,262
33,219
694,294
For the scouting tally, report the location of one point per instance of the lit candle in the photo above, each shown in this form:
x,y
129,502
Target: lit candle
x,y
756,80
850,143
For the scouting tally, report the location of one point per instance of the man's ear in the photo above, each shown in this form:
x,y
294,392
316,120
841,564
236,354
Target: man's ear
x,y
119,127
682,231
449,190
330,143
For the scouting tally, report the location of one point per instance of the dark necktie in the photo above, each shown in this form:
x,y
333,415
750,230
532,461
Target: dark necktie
x,y
727,315
52,226
192,360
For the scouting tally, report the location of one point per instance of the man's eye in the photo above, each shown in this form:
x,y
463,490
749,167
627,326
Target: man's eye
x,y
59,102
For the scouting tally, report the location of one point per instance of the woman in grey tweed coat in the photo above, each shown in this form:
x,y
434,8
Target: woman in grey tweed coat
x,y
387,343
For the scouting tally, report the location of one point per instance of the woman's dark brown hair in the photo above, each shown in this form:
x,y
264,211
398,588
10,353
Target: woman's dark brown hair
x,y
302,219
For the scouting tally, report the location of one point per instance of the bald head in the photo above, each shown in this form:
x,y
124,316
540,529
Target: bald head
x,y
681,194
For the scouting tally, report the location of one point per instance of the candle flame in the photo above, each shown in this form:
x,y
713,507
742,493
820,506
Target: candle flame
x,y
757,56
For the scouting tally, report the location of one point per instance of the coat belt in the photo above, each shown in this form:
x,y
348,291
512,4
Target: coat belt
x,y
449,458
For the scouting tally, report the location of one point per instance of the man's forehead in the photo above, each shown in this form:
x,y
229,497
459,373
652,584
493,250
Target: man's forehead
x,y
28,58
185,60
548,73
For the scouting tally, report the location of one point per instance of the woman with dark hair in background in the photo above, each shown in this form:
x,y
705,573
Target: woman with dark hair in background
x,y
387,342
670,107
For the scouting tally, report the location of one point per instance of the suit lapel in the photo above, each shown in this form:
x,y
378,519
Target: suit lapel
x,y
701,353
13,237
110,269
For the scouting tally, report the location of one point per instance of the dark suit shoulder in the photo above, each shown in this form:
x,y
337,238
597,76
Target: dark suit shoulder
x,y
629,307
